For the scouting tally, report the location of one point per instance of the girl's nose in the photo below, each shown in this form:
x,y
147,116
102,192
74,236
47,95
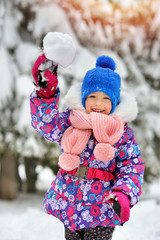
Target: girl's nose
x,y
98,102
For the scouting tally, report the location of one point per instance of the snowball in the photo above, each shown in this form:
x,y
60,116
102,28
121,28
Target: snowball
x,y
59,47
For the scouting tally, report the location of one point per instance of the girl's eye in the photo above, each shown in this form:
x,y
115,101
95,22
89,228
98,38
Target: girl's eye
x,y
92,96
107,98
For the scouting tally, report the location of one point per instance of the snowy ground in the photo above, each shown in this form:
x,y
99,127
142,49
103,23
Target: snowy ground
x,y
24,218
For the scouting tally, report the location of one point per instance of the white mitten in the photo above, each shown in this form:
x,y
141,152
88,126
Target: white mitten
x,y
59,47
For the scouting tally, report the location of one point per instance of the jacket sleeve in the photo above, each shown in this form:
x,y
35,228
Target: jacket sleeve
x,y
130,167
45,117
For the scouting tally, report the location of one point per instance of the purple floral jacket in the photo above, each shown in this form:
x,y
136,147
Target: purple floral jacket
x,y
78,202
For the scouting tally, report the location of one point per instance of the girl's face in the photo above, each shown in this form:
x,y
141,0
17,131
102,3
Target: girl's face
x,y
98,102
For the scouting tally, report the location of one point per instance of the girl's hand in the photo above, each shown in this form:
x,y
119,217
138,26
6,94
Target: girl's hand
x,y
59,49
121,206
120,203
45,77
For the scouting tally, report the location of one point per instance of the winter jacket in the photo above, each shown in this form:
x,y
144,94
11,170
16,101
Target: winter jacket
x,y
78,202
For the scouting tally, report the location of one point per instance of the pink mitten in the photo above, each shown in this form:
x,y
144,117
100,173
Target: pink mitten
x,y
45,75
121,206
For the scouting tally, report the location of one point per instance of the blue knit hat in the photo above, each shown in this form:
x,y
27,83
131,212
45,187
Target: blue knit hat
x,y
102,79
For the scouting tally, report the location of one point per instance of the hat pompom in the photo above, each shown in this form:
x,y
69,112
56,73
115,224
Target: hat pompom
x,y
106,62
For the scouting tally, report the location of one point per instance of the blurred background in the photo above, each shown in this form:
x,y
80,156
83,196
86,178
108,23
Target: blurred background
x,y
128,31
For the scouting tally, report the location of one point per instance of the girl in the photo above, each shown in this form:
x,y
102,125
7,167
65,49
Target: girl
x,y
101,172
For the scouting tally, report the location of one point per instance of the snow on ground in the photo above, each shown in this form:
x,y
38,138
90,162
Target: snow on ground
x,y
25,219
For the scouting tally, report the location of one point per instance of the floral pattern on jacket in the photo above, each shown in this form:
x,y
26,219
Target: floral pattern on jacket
x,y
79,203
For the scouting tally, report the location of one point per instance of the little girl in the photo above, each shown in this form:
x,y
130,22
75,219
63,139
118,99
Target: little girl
x,y
101,172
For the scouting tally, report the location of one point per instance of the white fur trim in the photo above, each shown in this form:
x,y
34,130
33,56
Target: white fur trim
x,y
127,108
73,98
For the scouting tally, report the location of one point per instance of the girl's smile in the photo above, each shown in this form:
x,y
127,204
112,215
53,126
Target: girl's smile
x,y
98,102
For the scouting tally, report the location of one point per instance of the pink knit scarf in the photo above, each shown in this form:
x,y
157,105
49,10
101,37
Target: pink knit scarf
x,y
107,130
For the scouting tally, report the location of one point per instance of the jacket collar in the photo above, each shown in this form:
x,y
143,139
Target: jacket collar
x,y
126,109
